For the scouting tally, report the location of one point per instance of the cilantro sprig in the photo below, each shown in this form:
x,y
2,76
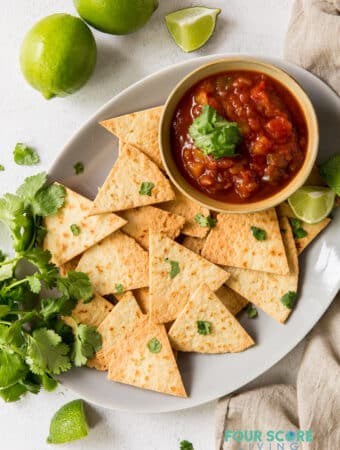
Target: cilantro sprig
x,y
35,344
24,155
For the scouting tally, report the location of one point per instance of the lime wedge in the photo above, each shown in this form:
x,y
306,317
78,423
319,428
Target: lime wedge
x,y
312,204
191,28
68,423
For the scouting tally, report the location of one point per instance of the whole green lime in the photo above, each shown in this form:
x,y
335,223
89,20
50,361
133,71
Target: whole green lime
x,y
58,55
116,16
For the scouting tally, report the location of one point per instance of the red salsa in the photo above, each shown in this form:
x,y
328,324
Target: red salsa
x,y
274,136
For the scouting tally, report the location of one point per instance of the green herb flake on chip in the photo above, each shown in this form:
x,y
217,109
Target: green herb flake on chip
x,y
251,311
289,299
75,230
205,221
297,229
146,188
174,267
119,288
24,155
185,445
78,168
154,345
203,327
258,233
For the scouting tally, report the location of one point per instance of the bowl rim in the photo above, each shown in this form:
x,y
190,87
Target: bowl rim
x,y
240,208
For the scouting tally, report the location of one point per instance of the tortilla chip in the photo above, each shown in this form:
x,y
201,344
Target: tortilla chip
x,y
233,301
120,322
70,265
141,220
60,240
91,313
139,129
231,243
265,290
131,361
185,207
226,334
168,296
142,297
194,244
121,189
313,230
117,260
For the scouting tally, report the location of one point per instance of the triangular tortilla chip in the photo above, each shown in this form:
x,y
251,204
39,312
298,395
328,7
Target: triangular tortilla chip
x,y
133,363
225,332
194,244
121,189
168,295
120,322
231,242
139,129
91,313
233,301
117,260
313,230
141,220
185,207
265,290
60,240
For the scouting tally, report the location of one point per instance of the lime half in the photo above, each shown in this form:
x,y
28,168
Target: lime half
x,y
191,28
68,423
312,204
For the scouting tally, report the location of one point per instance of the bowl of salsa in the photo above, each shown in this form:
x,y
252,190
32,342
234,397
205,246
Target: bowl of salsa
x,y
238,135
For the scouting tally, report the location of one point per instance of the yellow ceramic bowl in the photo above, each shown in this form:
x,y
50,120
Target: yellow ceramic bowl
x,y
225,65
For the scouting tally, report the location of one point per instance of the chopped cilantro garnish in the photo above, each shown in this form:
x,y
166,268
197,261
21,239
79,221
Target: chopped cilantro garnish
x,y
289,299
154,345
87,342
185,445
330,172
75,230
214,135
174,267
78,168
119,288
146,188
298,231
204,221
203,327
2,168
258,233
251,311
24,155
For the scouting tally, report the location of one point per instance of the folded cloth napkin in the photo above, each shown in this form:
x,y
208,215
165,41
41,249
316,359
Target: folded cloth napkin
x,y
313,42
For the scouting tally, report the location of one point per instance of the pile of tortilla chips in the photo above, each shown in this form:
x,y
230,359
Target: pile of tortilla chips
x,y
177,284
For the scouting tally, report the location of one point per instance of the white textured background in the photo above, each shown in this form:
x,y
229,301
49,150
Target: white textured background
x,y
248,26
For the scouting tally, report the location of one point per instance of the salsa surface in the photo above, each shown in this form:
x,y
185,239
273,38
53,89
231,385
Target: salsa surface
x,y
274,137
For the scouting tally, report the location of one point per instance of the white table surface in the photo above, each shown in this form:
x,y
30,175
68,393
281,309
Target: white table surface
x,y
246,26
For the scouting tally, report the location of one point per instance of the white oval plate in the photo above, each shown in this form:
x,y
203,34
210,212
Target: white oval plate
x,y
208,377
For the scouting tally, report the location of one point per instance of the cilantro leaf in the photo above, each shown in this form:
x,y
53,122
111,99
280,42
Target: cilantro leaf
x,y
24,155
59,305
154,345
214,135
297,229
76,285
87,342
289,299
49,383
34,283
174,267
119,288
12,368
4,310
203,327
203,221
31,186
2,168
2,256
251,311
330,172
258,233
146,188
78,168
186,445
10,207
49,200
46,353
13,393
75,230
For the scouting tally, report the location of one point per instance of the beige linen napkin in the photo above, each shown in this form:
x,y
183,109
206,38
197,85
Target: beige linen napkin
x,y
313,42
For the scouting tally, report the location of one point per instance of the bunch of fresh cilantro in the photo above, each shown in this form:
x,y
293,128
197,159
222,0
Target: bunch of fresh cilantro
x,y
35,343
